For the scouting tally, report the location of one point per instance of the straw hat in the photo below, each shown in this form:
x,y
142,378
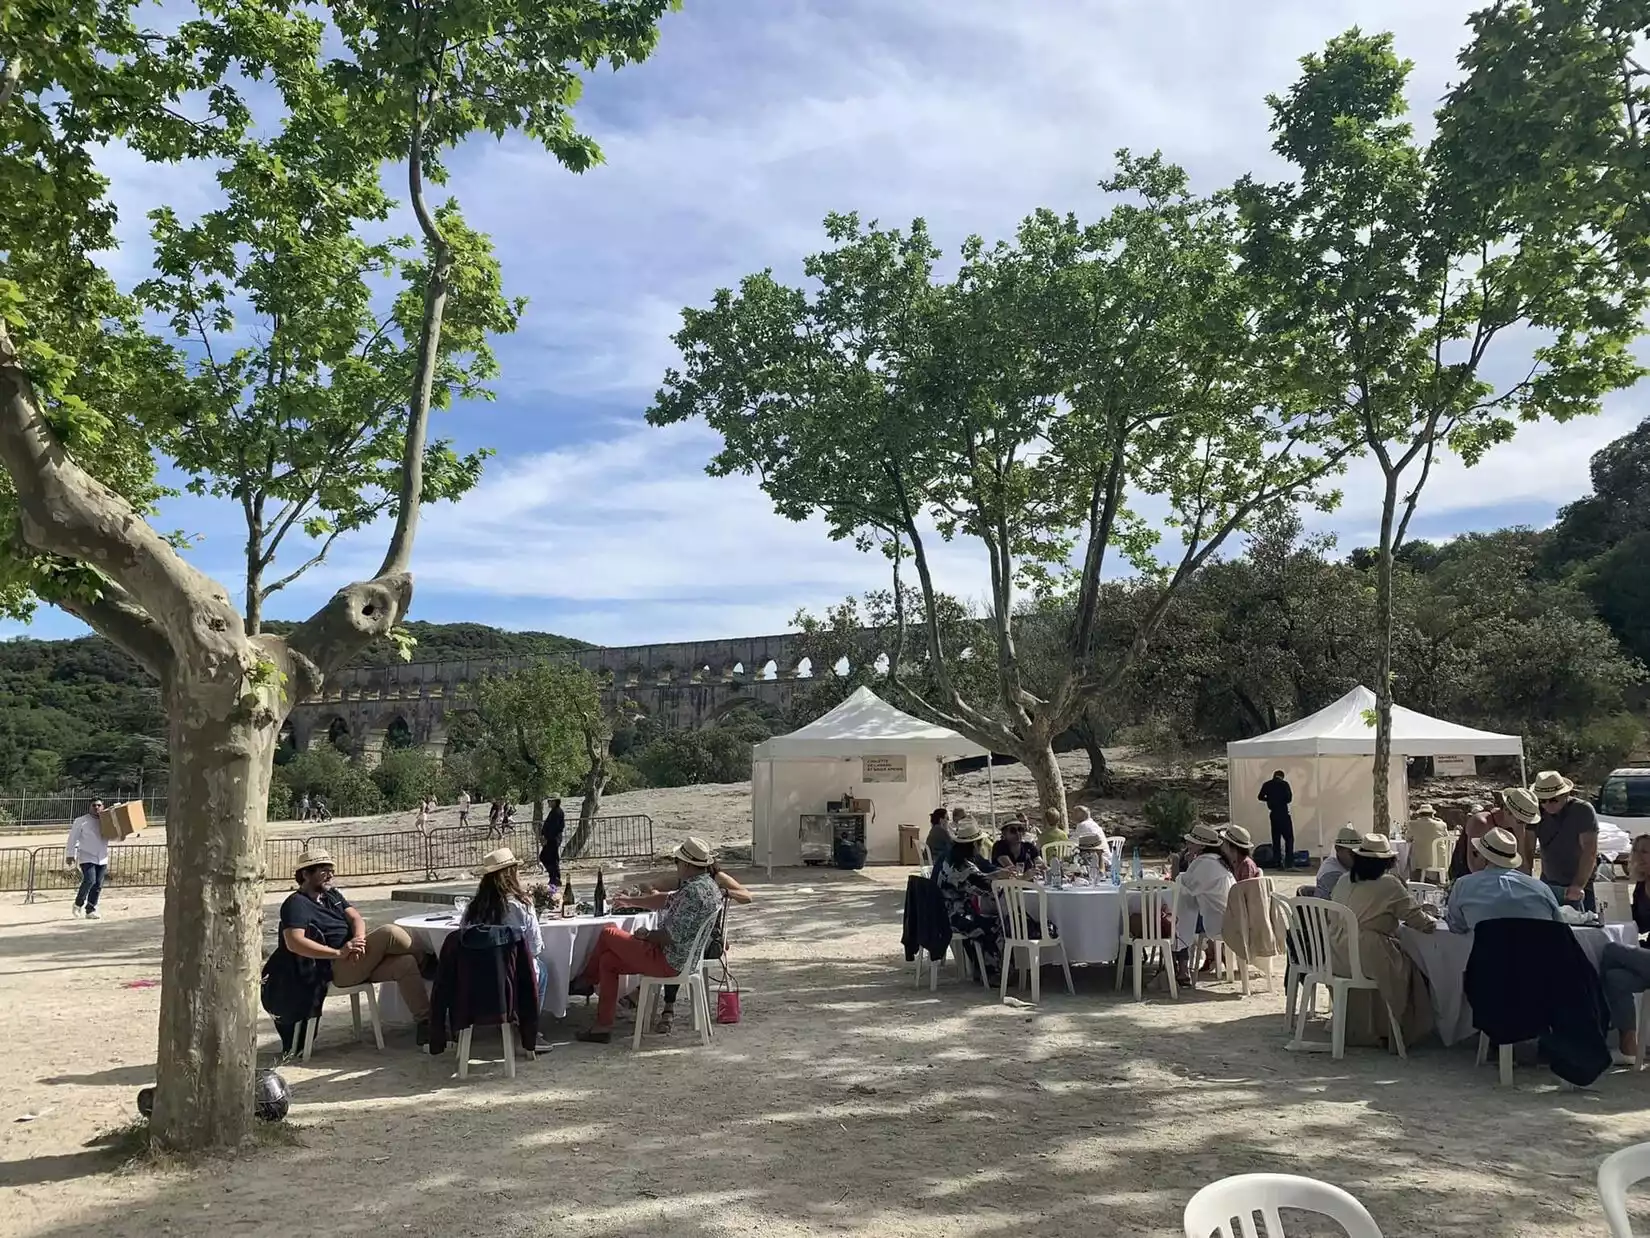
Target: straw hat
x,y
1498,847
967,831
1550,784
1091,842
1238,837
1521,804
1348,836
694,851
1202,835
1376,847
496,861
314,858
1426,810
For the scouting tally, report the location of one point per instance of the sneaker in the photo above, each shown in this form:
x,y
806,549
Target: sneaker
x,y
92,913
1620,1058
79,912
663,1025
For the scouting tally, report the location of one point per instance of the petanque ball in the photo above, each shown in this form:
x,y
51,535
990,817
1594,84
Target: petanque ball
x,y
146,1102
271,1097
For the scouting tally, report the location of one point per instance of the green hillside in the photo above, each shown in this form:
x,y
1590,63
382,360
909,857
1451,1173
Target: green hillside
x,y
82,711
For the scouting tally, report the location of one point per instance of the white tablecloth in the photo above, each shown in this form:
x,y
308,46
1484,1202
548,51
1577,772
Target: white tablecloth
x,y
567,947
1442,957
1089,920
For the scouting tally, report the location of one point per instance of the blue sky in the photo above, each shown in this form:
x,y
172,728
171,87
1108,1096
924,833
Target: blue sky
x,y
724,152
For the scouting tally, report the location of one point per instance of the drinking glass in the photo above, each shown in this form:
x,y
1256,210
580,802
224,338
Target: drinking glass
x,y
459,906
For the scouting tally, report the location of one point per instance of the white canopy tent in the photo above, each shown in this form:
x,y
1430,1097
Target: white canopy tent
x,y
1328,758
800,772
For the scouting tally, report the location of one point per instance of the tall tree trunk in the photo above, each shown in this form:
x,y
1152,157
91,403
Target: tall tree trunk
x,y
1382,815
1099,778
221,759
595,782
1039,760
538,815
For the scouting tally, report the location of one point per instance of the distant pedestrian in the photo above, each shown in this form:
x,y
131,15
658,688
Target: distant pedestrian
x,y
425,807
1277,795
555,825
89,850
463,808
303,807
494,813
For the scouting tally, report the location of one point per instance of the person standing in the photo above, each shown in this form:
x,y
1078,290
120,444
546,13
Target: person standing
x,y
463,808
1277,795
303,807
1568,837
555,825
88,849
1516,813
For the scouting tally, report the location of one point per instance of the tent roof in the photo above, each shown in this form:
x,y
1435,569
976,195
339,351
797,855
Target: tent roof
x,y
867,725
1343,729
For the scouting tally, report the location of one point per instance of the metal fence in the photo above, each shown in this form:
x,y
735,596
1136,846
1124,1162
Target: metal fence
x,y
58,809
439,853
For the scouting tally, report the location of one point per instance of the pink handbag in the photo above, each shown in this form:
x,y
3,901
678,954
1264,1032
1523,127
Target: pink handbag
x,y
727,999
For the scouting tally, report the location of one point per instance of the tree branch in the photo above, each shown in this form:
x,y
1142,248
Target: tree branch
x,y
121,621
10,78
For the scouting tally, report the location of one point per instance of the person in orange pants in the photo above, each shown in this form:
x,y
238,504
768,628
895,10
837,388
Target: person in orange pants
x,y
661,951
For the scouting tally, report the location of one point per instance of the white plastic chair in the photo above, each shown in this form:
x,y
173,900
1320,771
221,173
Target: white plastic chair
x,y
354,992
1235,909
694,983
1436,862
1295,958
1619,1172
1152,898
926,858
1319,919
1011,899
508,1033
1226,1209
927,962
1062,851
1504,1058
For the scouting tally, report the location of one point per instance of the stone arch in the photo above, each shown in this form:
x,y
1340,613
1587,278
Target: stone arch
x,y
842,668
331,730
804,669
770,670
883,662
736,671
287,743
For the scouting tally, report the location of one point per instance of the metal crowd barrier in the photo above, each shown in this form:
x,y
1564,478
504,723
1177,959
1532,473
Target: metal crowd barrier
x,y
355,857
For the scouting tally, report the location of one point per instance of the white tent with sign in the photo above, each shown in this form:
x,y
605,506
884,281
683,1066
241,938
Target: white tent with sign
x,y
1329,760
862,749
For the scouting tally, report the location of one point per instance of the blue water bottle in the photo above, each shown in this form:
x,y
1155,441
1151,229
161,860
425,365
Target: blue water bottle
x,y
1135,870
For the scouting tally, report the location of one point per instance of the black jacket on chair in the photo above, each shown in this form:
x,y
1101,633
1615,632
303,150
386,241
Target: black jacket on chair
x,y
293,986
1531,980
926,926
484,979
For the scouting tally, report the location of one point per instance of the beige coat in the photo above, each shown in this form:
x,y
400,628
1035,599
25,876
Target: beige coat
x,y
1425,836
1380,907
1250,930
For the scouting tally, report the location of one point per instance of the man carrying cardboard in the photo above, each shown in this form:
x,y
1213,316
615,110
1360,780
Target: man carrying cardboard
x,y
88,849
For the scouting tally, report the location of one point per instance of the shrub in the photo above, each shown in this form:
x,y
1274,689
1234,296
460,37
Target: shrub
x,y
688,758
405,776
1170,814
280,799
349,791
622,776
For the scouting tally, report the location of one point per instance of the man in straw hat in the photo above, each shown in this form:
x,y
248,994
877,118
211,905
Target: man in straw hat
x,y
1496,889
660,951
323,940
1568,837
1425,829
1516,811
1338,863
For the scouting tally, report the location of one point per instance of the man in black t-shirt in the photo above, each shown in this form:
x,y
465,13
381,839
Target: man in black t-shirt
x,y
318,923
1014,849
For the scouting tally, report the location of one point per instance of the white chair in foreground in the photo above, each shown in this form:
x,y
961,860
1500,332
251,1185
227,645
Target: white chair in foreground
x,y
954,951
1226,1209
354,992
1148,899
694,984
1012,897
1616,1175
1319,919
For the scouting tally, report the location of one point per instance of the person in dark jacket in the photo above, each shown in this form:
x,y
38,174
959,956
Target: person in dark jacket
x,y
555,825
1531,980
1277,795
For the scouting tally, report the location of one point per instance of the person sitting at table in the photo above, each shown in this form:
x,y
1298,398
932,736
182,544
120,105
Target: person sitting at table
x,y
1054,829
323,940
659,951
1516,812
1237,852
938,840
1083,825
1495,889
1094,856
1206,882
1380,901
1014,850
1425,828
500,899
1624,971
1338,863
655,896
965,888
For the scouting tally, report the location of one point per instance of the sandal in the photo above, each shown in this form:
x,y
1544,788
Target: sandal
x,y
665,1022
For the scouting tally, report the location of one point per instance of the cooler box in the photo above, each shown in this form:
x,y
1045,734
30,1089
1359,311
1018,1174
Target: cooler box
x,y
122,821
910,846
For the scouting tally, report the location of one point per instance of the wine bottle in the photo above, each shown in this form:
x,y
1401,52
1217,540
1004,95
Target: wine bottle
x,y
599,905
569,904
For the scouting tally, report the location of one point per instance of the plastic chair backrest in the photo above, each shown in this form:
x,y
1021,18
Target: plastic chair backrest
x,y
1011,899
1319,921
1618,1172
1151,897
1226,1209
1115,846
701,939
1438,854
1063,850
1283,909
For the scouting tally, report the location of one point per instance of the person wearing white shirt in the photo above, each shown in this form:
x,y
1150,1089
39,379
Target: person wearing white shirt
x,y
88,849
1206,883
463,808
1084,825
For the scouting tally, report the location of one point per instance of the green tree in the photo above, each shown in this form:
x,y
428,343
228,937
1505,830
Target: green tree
x,y
529,737
1403,267
1023,404
80,386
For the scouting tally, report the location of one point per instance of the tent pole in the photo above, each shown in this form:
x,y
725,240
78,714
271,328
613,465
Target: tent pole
x,y
1317,800
1523,774
770,820
991,787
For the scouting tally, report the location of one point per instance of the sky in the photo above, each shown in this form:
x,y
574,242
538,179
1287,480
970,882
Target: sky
x,y
724,152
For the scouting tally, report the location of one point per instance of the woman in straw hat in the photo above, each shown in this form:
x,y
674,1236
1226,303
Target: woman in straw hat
x,y
1237,852
500,899
965,878
1515,811
1381,902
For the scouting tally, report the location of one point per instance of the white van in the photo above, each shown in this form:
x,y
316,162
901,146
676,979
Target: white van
x,y
1624,801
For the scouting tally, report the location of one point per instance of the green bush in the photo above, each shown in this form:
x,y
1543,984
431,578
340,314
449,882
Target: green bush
x,y
348,789
622,776
689,758
1170,814
405,776
1589,752
280,799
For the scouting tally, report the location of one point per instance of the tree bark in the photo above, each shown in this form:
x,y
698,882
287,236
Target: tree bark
x,y
1382,821
595,782
212,948
1099,777
1051,785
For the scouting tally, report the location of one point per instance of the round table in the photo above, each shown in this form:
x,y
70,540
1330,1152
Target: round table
x,y
1442,957
1089,920
567,946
